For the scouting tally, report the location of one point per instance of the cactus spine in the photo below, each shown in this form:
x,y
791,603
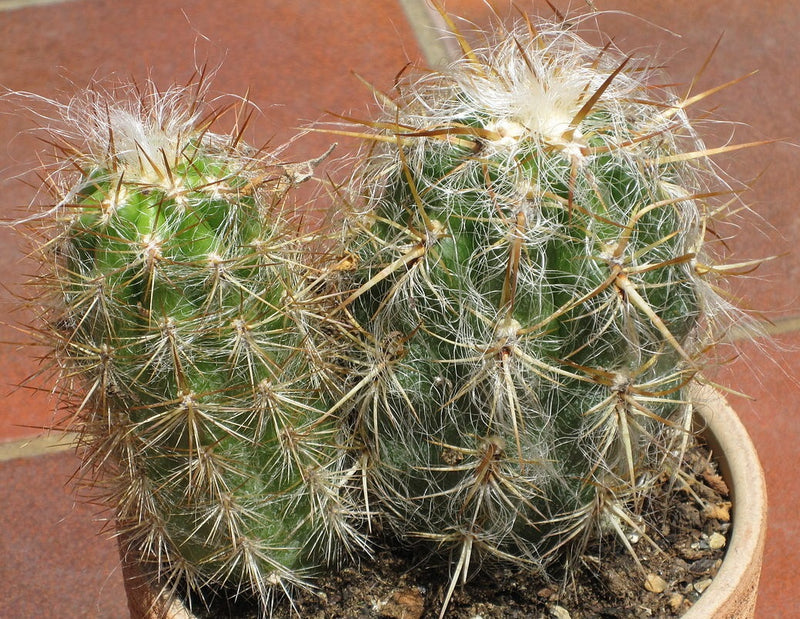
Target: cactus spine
x,y
533,297
184,313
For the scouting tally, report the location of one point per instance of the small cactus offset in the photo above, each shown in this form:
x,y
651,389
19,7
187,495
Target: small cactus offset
x,y
183,308
534,298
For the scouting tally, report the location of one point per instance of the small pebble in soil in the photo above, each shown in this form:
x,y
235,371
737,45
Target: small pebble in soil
x,y
654,583
676,602
559,612
702,585
405,603
702,566
719,511
715,481
716,541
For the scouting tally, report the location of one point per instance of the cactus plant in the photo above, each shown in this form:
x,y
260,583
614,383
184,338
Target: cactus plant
x,y
534,294
182,306
499,339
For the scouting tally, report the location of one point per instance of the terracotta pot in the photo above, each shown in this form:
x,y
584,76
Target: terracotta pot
x,y
143,599
731,595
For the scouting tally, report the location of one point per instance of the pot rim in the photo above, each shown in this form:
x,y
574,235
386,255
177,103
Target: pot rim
x,y
733,590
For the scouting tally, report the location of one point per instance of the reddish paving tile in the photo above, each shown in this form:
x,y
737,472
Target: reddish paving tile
x,y
54,563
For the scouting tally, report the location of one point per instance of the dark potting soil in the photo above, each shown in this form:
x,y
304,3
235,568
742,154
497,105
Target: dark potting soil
x,y
688,522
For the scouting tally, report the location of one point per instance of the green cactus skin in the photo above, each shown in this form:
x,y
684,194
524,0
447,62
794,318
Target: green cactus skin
x,y
185,313
530,295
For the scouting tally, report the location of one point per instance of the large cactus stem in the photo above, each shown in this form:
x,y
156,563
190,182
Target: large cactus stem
x,y
531,297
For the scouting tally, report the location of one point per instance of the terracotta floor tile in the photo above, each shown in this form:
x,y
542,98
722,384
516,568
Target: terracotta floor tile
x,y
55,564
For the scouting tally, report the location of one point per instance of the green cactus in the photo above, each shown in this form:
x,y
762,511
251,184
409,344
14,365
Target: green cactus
x,y
185,304
533,298
499,340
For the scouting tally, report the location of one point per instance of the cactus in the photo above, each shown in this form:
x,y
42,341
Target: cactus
x,y
183,310
503,354
533,294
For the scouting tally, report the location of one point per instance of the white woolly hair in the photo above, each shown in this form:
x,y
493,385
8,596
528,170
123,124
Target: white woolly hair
x,y
540,83
137,132
528,82
138,128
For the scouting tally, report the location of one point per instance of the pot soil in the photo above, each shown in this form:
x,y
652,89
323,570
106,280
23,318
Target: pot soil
x,y
711,534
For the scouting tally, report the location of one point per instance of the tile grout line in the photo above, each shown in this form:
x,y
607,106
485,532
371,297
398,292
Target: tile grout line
x,y
783,325
433,36
12,5
767,328
33,447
